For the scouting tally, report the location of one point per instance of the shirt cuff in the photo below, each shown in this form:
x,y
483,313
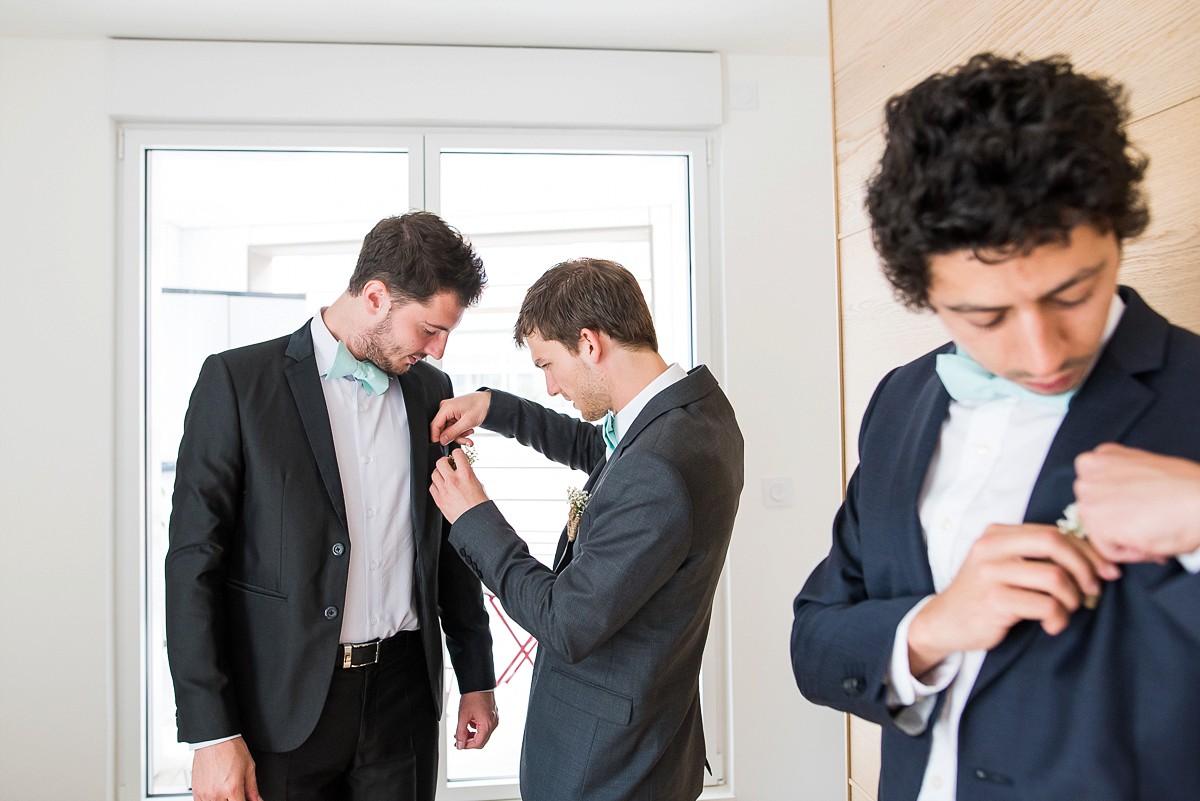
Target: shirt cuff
x,y
904,689
1190,561
207,743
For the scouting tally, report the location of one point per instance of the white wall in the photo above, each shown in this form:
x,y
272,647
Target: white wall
x,y
58,273
782,355
56,495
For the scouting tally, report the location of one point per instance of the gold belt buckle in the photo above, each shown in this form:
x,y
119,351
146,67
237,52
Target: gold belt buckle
x,y
348,654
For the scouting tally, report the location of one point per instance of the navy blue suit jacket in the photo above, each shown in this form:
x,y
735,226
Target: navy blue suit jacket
x,y
1103,711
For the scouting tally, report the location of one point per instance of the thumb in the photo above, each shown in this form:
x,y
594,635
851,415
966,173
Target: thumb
x,y
252,786
463,733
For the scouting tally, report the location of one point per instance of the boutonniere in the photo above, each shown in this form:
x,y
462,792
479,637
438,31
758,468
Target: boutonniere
x,y
1072,526
468,452
578,501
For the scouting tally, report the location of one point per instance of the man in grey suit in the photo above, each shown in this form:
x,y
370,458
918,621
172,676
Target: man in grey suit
x,y
621,620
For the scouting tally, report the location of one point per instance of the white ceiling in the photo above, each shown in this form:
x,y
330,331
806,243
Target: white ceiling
x,y
729,26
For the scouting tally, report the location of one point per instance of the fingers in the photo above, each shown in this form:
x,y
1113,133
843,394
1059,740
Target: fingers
x,y
1037,542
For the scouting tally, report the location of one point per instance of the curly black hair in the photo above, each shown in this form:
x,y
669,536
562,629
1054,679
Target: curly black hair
x,y
1000,156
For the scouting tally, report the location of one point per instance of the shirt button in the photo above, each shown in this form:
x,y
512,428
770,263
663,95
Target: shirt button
x,y
937,782
947,523
366,460
338,549
362,407
370,513
983,449
331,612
374,620
374,565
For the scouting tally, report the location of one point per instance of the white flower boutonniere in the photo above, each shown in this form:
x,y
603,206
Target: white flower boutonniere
x,y
1072,526
469,452
578,500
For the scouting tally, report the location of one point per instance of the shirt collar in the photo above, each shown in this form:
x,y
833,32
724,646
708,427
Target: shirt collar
x,y
324,345
630,412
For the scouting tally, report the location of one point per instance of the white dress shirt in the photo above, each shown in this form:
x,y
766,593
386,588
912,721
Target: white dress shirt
x,y
374,456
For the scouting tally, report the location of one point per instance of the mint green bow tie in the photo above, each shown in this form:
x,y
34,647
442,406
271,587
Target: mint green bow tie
x,y
966,379
610,431
373,380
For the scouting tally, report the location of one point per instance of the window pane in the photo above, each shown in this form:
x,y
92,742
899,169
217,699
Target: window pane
x,y
526,212
242,246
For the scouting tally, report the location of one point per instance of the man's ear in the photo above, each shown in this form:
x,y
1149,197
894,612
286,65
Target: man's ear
x,y
375,298
591,345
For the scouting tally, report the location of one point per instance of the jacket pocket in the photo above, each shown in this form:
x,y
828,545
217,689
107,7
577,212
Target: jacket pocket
x,y
591,698
242,586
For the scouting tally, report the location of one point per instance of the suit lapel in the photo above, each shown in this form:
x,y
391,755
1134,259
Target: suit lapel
x,y
418,436
565,550
918,445
1108,404
305,384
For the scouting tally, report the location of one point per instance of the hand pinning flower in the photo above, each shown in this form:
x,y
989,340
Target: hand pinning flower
x,y
578,500
469,452
1072,526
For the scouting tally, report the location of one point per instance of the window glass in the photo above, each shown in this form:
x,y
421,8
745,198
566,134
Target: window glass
x,y
241,247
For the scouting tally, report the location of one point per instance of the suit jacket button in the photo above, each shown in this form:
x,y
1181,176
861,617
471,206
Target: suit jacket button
x,y
331,612
338,549
853,685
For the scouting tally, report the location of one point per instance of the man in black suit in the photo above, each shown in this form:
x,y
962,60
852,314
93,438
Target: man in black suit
x,y
308,566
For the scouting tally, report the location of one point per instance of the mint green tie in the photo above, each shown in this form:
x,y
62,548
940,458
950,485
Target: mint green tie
x,y
373,380
610,431
966,379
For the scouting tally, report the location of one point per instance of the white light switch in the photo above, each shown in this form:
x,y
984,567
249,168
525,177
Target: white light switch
x,y
778,492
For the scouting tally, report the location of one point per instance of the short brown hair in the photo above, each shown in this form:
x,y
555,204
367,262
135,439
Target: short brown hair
x,y
416,256
586,293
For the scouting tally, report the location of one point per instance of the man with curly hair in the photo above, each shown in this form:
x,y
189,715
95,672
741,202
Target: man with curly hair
x,y
1005,656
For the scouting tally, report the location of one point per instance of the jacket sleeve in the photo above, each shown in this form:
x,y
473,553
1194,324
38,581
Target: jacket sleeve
x,y
842,635
208,488
559,437
636,540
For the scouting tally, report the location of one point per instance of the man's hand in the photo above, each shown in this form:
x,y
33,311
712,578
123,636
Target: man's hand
x,y
455,487
457,418
224,772
477,719
1012,573
1138,506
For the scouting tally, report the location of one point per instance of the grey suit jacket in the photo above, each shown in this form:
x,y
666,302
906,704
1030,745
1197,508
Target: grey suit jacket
x,y
259,555
614,709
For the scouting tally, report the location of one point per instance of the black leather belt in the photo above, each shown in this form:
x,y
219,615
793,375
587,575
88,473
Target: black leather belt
x,y
361,654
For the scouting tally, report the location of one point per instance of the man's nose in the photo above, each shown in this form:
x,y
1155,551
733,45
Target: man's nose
x,y
437,346
1044,343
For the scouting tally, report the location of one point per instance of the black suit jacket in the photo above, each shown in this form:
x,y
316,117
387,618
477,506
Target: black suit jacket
x,y
259,550
1102,711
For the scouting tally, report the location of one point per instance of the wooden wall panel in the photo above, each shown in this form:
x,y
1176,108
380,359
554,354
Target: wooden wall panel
x,y
881,47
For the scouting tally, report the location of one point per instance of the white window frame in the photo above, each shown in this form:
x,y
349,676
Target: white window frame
x,y
424,147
